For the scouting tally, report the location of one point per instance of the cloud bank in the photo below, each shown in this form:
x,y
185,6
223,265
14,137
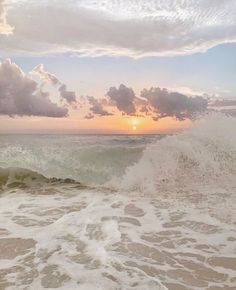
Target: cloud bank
x,y
155,102
21,96
126,27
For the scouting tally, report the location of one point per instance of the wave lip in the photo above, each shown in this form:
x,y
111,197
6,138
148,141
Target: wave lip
x,y
15,177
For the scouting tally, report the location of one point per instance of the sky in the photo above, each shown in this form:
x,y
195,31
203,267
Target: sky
x,y
115,66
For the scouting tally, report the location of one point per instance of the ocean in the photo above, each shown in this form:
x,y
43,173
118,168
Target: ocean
x,y
120,212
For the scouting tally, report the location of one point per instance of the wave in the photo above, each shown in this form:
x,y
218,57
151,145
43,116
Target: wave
x,y
24,178
91,160
203,157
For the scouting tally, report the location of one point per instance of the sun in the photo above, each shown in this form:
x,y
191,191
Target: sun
x,y
134,123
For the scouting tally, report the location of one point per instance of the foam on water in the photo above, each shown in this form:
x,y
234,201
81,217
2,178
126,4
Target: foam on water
x,y
89,240
165,220
203,157
91,160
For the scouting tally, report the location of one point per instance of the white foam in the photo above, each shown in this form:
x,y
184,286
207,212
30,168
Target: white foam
x,y
202,158
103,240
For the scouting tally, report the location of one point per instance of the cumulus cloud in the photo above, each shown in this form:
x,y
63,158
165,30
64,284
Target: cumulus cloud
x,y
68,96
20,95
46,76
96,108
123,98
155,102
173,104
5,28
125,27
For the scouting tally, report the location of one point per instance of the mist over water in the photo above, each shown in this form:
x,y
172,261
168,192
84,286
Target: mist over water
x,y
150,212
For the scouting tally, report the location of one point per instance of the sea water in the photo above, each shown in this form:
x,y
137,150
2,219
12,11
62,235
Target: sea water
x,y
120,212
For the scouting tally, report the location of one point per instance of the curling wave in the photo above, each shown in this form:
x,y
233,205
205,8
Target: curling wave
x,y
14,177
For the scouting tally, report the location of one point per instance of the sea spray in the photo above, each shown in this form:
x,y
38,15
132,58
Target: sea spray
x,y
204,155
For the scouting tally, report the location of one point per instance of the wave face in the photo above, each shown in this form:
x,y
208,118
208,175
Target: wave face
x,y
15,177
202,157
19,177
92,160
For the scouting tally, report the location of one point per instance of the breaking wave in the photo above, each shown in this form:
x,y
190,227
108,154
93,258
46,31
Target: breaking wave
x,y
92,160
203,156
23,178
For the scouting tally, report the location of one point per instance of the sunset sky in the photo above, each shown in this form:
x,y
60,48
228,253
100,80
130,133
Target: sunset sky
x,y
115,66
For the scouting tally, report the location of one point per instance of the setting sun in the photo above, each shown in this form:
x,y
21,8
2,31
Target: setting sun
x,y
135,122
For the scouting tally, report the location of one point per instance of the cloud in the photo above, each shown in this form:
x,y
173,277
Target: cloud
x,y
155,102
96,108
230,112
68,96
123,98
20,95
46,76
89,116
223,103
5,28
225,106
173,104
125,27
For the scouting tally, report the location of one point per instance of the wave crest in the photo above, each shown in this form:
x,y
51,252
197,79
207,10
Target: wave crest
x,y
14,177
203,156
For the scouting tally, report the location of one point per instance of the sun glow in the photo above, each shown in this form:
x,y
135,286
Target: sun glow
x,y
134,123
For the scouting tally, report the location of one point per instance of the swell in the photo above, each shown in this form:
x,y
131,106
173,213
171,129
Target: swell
x,y
24,178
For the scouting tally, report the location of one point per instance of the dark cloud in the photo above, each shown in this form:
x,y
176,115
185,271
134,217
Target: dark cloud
x,y
172,104
96,108
20,95
123,98
68,96
89,116
155,102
